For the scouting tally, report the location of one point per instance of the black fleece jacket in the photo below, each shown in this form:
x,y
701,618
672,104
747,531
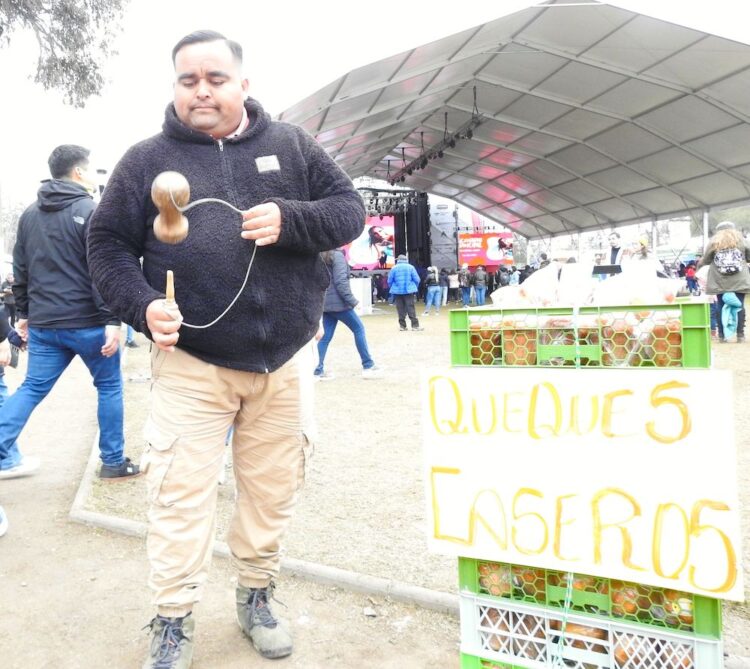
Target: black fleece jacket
x,y
280,308
52,286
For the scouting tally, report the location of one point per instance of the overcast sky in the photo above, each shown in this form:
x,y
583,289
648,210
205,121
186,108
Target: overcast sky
x,y
292,48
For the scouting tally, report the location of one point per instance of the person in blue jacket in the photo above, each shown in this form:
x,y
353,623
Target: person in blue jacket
x,y
403,282
339,306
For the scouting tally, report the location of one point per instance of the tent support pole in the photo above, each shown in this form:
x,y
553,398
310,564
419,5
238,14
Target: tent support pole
x,y
705,230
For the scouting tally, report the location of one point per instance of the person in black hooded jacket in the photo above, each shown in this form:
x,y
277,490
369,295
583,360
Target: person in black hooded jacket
x,y
60,313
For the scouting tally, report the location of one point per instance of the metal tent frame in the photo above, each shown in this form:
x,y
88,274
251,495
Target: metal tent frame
x,y
556,119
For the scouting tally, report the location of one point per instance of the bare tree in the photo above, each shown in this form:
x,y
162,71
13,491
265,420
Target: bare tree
x,y
8,226
74,38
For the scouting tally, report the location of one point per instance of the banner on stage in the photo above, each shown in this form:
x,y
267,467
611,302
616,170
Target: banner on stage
x,y
373,249
625,474
494,248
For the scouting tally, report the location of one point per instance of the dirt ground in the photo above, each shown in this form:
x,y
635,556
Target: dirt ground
x,y
362,509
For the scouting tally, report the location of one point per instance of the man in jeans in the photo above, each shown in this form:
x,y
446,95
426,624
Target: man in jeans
x,y
61,315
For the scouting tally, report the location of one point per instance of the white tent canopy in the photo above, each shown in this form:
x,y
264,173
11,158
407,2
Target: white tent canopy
x,y
590,116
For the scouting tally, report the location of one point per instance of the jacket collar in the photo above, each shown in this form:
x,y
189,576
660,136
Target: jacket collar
x,y
173,127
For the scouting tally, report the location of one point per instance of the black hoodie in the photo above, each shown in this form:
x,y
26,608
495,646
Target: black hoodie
x,y
52,286
280,308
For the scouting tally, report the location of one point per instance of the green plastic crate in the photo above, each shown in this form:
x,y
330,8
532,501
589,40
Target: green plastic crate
x,y
600,598
675,335
500,634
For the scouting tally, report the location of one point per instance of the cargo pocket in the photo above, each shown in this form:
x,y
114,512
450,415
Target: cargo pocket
x,y
157,458
308,449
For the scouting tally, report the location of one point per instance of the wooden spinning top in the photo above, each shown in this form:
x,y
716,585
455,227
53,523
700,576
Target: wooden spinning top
x,y
170,192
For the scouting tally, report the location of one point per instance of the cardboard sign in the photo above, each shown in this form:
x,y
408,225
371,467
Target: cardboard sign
x,y
626,474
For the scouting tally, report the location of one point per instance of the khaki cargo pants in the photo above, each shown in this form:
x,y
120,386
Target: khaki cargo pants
x,y
194,404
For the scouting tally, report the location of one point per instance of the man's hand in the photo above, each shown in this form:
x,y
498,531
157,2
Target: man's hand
x,y
262,223
4,353
164,322
111,340
22,328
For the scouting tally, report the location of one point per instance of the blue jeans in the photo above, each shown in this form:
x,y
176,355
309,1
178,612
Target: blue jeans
x,y
466,295
433,299
13,456
129,334
50,352
353,322
479,293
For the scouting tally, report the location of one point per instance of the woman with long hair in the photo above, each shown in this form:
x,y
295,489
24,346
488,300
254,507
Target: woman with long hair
x,y
727,256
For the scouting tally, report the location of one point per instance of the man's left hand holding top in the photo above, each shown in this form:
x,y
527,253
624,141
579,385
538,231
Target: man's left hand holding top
x,y
262,223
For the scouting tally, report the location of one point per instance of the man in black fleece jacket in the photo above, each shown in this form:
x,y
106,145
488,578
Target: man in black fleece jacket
x,y
241,370
60,313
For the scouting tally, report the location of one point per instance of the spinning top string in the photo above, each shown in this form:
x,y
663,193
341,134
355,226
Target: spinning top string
x,y
231,304
203,200
171,227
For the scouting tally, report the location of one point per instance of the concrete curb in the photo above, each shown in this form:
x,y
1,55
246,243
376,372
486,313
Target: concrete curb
x,y
311,571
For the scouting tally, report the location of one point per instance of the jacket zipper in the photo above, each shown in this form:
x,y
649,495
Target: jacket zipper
x,y
225,171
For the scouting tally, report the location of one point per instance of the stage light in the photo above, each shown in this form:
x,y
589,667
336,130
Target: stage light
x,y
452,143
409,171
440,153
423,164
469,134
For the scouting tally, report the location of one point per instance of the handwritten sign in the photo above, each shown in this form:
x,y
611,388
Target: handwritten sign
x,y
626,474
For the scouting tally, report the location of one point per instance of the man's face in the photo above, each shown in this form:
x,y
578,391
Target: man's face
x,y
614,241
208,89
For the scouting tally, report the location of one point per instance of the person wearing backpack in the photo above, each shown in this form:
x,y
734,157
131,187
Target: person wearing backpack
x,y
434,292
480,285
465,280
727,256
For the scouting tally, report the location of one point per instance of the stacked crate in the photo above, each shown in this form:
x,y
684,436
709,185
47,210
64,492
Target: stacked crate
x,y
512,615
644,336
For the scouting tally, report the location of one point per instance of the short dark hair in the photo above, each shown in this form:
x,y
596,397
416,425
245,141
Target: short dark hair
x,y
614,234
65,157
200,36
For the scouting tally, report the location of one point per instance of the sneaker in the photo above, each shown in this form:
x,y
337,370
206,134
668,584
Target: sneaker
x,y
325,376
402,328
373,372
27,466
270,638
171,643
3,522
419,328
740,339
127,470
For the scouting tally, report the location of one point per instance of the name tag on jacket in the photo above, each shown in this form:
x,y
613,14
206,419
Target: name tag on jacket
x,y
267,164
